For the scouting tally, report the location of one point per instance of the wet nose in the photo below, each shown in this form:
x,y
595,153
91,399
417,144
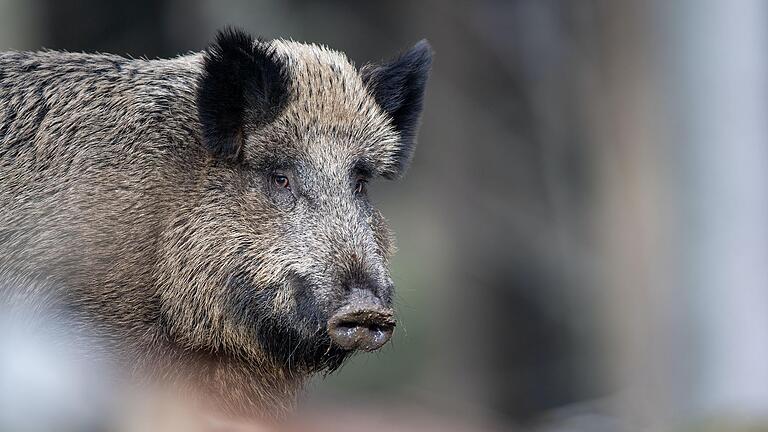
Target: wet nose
x,y
363,323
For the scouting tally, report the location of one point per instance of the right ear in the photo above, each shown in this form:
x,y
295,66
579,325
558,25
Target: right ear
x,y
243,83
398,87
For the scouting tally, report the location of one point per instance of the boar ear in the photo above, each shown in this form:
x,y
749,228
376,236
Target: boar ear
x,y
398,87
243,83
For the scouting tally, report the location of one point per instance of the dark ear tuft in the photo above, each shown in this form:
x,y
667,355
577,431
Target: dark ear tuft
x,y
243,84
398,86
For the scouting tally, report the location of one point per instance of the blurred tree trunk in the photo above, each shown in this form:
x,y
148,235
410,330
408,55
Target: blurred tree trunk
x,y
716,69
641,313
681,127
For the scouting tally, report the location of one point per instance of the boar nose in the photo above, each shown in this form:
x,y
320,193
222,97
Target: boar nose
x,y
362,323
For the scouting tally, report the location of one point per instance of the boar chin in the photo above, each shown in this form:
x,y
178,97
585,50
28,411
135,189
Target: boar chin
x,y
295,338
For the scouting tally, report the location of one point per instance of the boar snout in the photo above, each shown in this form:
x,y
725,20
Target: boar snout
x,y
363,323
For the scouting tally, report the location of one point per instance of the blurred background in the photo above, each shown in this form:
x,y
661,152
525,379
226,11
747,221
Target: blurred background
x,y
583,233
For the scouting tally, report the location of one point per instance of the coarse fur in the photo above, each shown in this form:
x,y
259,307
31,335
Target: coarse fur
x,y
205,213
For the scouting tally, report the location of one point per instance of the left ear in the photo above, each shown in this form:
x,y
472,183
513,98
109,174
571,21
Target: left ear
x,y
398,87
243,83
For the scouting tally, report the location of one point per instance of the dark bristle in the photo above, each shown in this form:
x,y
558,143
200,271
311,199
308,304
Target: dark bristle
x,y
398,87
243,83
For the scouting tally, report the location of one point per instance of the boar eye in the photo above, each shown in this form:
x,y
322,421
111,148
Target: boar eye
x,y
281,181
360,185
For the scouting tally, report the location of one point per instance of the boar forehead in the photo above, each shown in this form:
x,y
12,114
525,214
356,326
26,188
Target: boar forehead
x,y
330,120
